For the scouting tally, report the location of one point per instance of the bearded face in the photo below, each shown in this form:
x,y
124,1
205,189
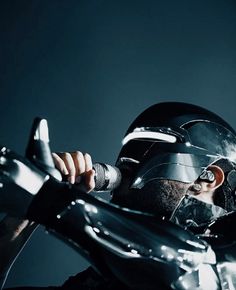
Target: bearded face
x,y
159,197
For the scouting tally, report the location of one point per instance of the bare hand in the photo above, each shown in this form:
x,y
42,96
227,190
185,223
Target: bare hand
x,y
77,167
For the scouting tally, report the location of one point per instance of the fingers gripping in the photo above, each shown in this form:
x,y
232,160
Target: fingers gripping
x,y
77,167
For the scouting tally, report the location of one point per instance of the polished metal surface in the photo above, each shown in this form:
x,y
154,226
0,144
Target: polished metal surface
x,y
227,275
126,239
140,250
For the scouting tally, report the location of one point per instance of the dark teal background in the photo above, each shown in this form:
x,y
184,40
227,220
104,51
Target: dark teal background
x,y
90,67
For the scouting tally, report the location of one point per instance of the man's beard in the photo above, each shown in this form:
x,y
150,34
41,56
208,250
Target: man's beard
x,y
158,197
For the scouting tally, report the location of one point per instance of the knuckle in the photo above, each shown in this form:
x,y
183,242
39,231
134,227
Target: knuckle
x,y
77,154
78,158
65,155
87,155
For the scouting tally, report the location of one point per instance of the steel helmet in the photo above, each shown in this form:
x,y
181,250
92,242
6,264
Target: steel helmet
x,y
178,141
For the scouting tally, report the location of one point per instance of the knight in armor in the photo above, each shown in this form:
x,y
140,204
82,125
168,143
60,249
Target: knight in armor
x,y
178,165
